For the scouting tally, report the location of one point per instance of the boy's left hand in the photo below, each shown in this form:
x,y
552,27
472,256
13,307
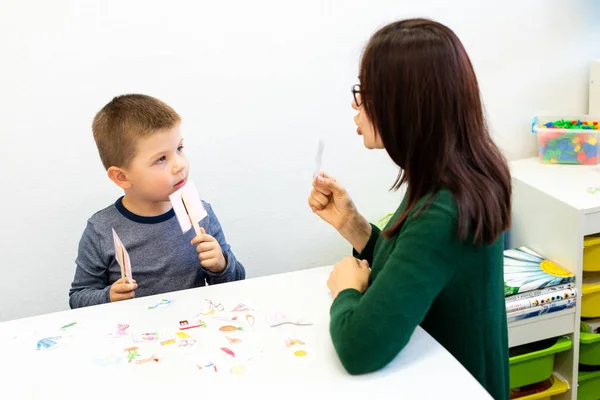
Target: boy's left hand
x,y
349,273
209,252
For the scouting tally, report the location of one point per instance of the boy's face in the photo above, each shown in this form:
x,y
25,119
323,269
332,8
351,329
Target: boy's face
x,y
159,168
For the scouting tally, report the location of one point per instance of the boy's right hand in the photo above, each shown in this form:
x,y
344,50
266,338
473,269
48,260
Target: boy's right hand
x,y
330,201
123,289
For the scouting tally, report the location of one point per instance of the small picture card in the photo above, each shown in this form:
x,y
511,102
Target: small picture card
x,y
146,337
279,318
191,323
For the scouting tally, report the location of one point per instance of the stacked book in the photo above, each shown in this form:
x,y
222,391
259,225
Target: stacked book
x,y
534,285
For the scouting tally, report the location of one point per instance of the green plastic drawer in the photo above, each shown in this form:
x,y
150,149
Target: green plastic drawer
x,y
537,365
589,386
589,349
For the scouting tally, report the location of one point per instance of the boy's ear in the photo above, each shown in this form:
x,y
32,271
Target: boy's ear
x,y
118,176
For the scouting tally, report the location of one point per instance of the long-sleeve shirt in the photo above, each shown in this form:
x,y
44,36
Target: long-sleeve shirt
x,y
162,257
425,275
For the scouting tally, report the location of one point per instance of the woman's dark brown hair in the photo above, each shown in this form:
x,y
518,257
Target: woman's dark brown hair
x,y
419,89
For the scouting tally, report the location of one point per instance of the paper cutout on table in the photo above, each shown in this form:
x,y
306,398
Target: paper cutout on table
x,y
162,303
121,331
146,337
319,158
70,330
231,320
48,343
186,342
276,319
188,207
209,365
209,308
66,327
182,335
168,342
192,323
300,353
292,342
112,359
233,340
228,351
241,307
237,369
230,328
152,358
132,353
250,319
122,257
213,306
593,190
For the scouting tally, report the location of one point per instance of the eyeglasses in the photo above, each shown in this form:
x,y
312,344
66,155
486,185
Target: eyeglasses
x,y
356,91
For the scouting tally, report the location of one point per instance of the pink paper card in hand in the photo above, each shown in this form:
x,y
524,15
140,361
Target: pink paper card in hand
x,y
188,207
122,257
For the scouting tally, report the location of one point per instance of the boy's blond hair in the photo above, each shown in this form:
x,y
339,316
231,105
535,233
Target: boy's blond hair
x,y
121,123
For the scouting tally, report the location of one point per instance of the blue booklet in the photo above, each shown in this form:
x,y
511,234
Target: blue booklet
x,y
525,270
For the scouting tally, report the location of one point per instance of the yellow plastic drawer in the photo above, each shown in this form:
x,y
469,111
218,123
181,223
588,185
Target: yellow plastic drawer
x,y
558,386
590,295
591,253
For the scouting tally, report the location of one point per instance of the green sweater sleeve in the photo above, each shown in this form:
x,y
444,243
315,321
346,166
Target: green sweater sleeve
x,y
367,252
368,330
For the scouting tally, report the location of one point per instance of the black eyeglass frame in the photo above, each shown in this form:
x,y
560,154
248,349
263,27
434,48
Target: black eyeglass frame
x,y
356,90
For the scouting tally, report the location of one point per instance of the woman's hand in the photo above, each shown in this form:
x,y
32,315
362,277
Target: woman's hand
x,y
349,273
330,201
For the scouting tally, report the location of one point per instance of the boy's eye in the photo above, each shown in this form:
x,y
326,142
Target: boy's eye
x,y
161,160
180,148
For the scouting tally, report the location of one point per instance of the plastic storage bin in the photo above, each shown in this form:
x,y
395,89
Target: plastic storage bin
x,y
591,253
589,385
568,146
557,387
534,362
590,295
589,349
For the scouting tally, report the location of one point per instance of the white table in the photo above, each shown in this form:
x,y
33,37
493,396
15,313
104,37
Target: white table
x,y
423,370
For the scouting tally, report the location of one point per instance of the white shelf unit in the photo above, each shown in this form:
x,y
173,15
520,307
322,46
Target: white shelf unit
x,y
553,210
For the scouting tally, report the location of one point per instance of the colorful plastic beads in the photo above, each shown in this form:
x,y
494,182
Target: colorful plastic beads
x,y
570,147
572,124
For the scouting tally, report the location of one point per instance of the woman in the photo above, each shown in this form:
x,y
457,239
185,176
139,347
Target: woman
x,y
439,261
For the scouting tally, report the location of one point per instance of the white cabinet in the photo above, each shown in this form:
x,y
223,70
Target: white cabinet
x,y
554,207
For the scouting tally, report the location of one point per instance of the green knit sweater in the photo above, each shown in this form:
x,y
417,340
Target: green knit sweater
x,y
426,276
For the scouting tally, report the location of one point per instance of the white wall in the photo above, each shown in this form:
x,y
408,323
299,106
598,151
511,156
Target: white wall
x,y
258,83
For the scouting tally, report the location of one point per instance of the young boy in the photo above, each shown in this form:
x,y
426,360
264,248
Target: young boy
x,y
141,148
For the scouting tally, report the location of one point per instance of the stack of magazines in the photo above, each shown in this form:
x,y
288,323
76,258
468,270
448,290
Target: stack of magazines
x,y
534,285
